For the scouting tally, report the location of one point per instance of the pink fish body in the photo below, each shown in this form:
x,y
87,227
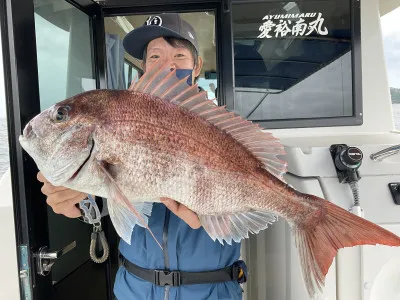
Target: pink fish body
x,y
162,138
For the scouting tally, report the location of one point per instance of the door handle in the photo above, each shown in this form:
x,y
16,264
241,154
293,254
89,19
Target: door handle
x,y
45,259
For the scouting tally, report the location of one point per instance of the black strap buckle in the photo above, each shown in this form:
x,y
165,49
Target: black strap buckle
x,y
239,270
164,277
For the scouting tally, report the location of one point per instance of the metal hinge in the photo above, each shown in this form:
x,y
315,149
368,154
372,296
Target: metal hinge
x,y
24,273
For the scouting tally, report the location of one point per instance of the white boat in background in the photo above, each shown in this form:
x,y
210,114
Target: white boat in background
x,y
358,273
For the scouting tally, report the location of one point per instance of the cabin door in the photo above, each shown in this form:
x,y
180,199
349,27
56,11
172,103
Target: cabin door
x,y
53,49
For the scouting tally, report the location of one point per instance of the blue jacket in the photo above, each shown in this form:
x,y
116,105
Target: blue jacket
x,y
187,250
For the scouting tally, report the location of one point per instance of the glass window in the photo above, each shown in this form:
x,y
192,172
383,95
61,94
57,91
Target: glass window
x,y
8,260
65,68
293,60
4,154
4,157
131,73
391,44
64,52
202,22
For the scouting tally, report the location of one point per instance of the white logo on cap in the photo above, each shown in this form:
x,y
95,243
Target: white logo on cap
x,y
191,35
156,21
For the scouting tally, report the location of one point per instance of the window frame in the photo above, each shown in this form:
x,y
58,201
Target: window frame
x,y
356,118
131,66
223,31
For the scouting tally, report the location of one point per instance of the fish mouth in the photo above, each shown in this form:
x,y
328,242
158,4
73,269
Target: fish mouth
x,y
84,163
28,131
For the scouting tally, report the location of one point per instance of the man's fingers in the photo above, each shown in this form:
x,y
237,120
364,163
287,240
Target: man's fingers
x,y
182,212
73,213
64,196
189,217
61,199
41,178
171,204
70,211
49,189
68,207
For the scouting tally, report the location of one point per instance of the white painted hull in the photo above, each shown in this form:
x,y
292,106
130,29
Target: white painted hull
x,y
8,254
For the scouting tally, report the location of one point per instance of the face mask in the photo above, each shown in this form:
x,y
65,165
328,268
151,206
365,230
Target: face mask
x,y
182,73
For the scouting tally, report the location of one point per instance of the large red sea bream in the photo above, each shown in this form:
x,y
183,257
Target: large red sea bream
x,y
163,138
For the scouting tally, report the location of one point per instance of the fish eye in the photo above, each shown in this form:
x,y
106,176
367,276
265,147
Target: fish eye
x,y
61,114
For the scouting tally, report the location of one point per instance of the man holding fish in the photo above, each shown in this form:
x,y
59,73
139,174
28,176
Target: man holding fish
x,y
163,139
186,245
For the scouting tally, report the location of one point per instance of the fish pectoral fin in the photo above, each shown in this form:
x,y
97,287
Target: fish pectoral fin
x,y
123,213
124,220
236,226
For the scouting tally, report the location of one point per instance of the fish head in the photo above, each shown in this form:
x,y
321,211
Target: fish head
x,y
60,139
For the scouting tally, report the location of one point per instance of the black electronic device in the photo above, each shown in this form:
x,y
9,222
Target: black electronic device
x,y
347,160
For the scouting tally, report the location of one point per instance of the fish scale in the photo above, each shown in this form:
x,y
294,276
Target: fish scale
x,y
161,138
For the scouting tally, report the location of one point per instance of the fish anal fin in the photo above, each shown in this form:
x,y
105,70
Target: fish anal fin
x,y
236,226
124,214
318,243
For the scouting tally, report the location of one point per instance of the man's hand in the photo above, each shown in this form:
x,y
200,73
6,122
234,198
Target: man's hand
x,y
187,215
61,199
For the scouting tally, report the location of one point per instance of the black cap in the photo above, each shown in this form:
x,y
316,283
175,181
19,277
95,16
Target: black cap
x,y
163,25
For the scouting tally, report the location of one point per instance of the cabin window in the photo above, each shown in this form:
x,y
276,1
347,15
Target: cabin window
x,y
65,69
4,152
293,60
117,27
7,231
131,73
64,51
391,44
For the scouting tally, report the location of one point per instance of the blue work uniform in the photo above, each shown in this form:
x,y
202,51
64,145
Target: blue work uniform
x,y
185,249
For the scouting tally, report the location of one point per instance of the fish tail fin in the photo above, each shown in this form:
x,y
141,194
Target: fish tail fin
x,y
319,244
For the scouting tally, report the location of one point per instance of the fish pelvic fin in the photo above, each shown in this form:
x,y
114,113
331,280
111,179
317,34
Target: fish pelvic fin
x,y
161,81
236,226
123,213
319,244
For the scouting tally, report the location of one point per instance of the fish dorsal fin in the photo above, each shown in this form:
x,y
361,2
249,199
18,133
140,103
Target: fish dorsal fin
x,y
161,81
